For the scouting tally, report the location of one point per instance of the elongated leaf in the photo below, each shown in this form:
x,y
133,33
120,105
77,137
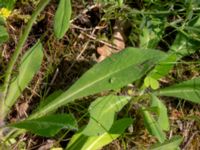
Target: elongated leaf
x,y
163,119
48,125
171,144
49,98
83,142
188,90
30,64
152,126
62,18
3,35
102,114
113,73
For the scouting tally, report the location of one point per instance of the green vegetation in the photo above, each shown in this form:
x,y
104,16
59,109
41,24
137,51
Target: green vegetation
x,y
162,41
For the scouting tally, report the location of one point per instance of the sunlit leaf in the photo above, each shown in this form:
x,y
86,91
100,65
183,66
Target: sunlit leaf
x,y
83,142
62,18
153,83
102,114
113,73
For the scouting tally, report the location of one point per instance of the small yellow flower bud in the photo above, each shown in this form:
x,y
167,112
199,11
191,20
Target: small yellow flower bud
x,y
4,12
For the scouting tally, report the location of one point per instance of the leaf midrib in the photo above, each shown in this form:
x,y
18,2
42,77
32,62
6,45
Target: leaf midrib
x,y
81,89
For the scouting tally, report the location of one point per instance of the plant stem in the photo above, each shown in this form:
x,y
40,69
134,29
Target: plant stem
x,y
15,56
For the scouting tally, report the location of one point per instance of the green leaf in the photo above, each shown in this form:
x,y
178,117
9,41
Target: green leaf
x,y
163,119
152,126
163,67
9,4
49,98
152,29
3,35
48,125
102,114
62,18
113,73
2,21
188,90
171,144
83,142
29,65
153,83
184,45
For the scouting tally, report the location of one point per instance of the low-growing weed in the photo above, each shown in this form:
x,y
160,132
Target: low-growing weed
x,y
143,67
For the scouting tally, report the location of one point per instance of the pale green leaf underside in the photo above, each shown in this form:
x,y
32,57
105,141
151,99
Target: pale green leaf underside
x,y
83,142
113,73
62,18
102,114
188,90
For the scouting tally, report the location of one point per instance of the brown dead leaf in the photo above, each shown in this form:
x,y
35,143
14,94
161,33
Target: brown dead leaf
x,y
117,45
47,145
22,108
